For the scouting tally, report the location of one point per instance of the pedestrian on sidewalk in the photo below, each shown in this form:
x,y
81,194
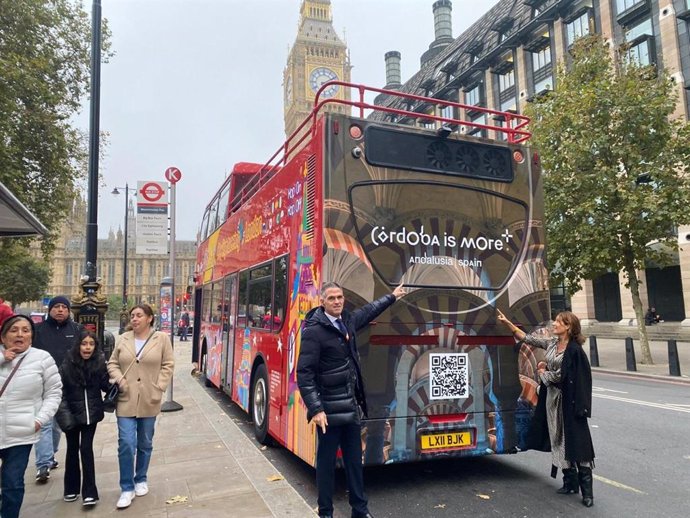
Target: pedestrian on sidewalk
x,y
30,391
331,385
651,317
57,335
84,378
142,364
184,326
560,422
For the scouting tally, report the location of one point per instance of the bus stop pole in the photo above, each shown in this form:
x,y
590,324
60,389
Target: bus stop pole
x,y
169,405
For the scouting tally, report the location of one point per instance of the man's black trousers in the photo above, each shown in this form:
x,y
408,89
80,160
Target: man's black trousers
x,y
349,438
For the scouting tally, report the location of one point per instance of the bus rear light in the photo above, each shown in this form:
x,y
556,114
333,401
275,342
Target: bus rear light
x,y
356,132
447,418
518,156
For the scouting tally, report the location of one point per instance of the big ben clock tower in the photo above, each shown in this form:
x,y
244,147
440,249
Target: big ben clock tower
x,y
317,56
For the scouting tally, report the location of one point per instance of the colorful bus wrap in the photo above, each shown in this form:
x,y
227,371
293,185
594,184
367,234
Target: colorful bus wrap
x,y
369,203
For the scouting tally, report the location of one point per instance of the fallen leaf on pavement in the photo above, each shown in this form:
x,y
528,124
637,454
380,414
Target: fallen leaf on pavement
x,y
177,499
274,478
484,497
440,506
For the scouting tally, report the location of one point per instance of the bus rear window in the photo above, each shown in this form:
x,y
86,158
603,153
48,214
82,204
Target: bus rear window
x,y
387,147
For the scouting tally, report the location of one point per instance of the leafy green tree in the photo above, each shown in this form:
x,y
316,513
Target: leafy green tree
x,y
22,277
44,77
616,169
115,306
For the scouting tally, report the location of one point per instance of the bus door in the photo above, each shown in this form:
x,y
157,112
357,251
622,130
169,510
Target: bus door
x,y
228,336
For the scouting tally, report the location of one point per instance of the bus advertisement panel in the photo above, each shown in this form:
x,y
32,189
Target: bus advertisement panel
x,y
368,204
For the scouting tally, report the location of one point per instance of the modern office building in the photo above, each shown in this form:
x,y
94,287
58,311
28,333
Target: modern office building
x,y
510,55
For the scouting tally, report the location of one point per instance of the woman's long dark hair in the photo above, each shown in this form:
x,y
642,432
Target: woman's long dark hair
x,y
570,320
79,369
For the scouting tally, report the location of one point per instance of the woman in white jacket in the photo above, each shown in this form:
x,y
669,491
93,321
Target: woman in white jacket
x,y
30,393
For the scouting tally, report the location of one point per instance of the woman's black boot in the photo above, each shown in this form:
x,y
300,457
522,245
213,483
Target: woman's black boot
x,y
570,486
585,475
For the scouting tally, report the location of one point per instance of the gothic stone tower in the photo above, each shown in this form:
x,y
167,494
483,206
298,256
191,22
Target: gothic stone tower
x,y
317,56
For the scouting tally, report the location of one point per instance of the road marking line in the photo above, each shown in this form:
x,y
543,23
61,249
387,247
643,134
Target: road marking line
x,y
663,406
618,484
602,389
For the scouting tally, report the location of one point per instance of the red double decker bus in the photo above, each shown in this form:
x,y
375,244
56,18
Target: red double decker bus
x,y
405,194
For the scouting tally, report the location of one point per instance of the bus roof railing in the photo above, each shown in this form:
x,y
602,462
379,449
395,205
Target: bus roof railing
x,y
294,141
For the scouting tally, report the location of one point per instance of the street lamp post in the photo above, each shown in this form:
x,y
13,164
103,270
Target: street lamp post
x,y
124,318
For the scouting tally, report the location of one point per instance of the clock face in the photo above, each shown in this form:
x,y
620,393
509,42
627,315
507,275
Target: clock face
x,y
322,75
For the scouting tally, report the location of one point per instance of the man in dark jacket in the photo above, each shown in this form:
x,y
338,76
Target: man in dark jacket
x,y
57,334
331,385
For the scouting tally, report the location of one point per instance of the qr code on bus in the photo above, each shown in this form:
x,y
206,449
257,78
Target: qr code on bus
x,y
448,375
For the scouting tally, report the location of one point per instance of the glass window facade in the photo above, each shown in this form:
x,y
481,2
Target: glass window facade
x,y
478,132
642,53
640,36
624,5
542,73
577,28
475,96
638,29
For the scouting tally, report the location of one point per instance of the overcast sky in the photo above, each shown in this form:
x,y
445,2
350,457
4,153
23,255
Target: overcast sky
x,y
198,84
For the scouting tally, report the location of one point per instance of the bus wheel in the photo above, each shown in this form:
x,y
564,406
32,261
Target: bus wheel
x,y
260,412
204,371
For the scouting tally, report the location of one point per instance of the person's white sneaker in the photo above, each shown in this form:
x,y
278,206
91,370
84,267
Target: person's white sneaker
x,y
141,488
125,499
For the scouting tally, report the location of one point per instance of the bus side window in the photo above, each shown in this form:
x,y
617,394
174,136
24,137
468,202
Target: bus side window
x,y
242,320
279,292
259,295
223,205
204,227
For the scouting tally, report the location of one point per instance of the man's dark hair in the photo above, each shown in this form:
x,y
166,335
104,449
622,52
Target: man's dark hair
x,y
328,285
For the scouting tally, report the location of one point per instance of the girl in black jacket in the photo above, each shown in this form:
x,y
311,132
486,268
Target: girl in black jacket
x,y
84,377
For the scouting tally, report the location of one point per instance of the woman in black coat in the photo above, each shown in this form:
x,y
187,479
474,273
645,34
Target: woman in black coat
x,y
84,377
565,403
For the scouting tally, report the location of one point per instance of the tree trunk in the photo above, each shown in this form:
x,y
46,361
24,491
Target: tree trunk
x,y
634,283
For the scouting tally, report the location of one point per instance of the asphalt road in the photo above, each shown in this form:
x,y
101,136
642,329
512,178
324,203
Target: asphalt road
x,y
641,433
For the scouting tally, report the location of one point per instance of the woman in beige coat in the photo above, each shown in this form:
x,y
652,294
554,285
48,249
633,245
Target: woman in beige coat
x,y
142,365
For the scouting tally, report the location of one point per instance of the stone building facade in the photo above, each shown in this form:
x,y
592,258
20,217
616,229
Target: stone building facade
x,y
510,55
145,272
317,56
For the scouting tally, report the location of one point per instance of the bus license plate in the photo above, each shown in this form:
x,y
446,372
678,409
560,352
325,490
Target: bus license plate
x,y
448,440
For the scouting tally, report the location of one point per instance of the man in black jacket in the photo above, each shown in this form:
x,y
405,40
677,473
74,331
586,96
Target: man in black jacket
x,y
57,334
331,385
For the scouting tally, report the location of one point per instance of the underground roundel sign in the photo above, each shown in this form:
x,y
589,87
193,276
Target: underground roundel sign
x,y
151,192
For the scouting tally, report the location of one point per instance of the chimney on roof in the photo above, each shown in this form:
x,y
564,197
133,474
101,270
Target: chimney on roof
x,y
443,30
443,23
392,70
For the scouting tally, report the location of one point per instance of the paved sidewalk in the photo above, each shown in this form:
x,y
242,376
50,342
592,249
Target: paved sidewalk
x,y
612,358
203,465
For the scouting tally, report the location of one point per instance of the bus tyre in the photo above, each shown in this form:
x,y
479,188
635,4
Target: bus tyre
x,y
260,406
204,370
